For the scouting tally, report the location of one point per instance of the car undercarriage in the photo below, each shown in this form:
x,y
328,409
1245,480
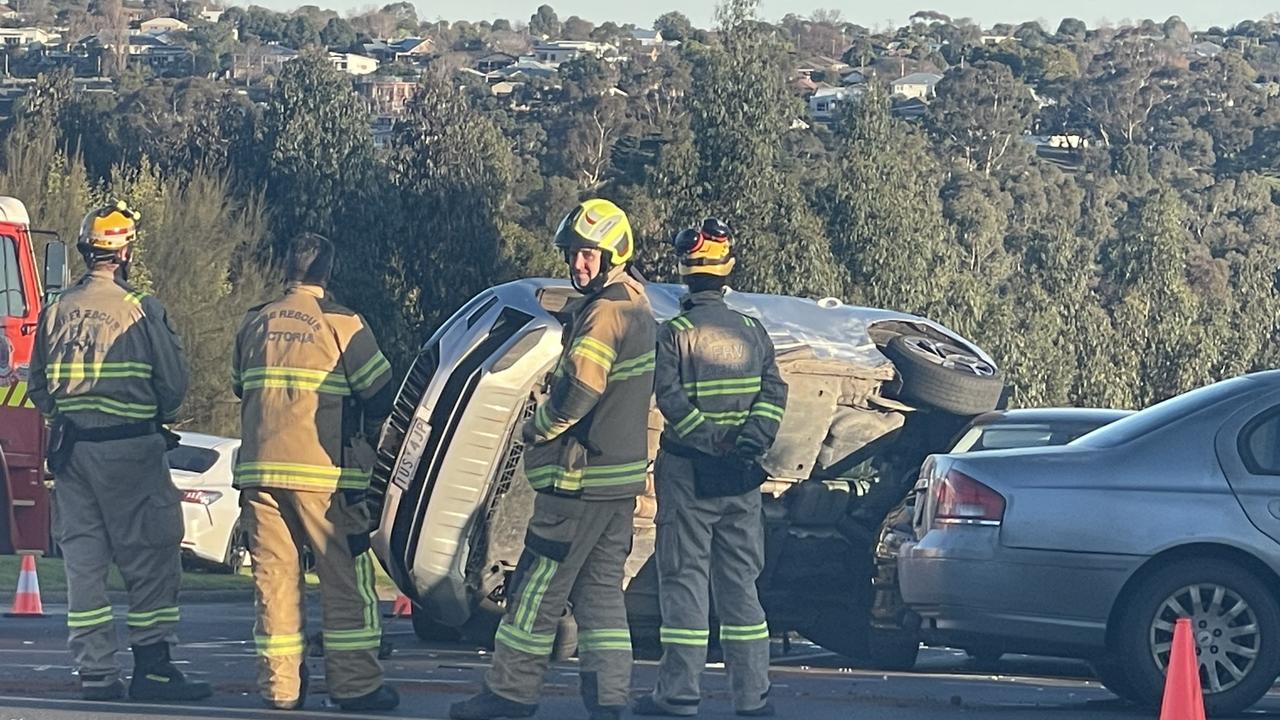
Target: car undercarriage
x,y
870,394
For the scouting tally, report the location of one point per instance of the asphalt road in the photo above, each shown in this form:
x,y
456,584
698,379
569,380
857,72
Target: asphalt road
x,y
36,680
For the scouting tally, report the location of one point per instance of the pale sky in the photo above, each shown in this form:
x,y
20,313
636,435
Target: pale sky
x,y
1200,15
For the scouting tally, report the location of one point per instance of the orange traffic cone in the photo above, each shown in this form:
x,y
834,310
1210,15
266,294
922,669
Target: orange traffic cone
x,y
402,607
26,601
1183,699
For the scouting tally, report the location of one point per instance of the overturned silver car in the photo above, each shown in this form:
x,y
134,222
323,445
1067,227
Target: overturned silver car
x,y
871,393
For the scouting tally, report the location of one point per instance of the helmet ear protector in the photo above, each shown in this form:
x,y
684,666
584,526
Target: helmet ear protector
x,y
705,250
688,241
715,229
121,207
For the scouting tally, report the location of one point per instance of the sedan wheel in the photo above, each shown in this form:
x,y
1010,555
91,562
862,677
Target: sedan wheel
x,y
1224,627
1111,673
1235,625
237,554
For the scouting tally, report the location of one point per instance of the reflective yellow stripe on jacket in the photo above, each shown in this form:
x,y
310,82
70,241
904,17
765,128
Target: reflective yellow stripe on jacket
x,y
329,383
94,403
296,476
97,371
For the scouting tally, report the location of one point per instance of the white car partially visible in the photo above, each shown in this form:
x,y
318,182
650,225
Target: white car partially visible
x,y
201,467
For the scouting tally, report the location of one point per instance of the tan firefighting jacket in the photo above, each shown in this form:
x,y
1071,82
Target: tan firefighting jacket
x,y
312,381
106,354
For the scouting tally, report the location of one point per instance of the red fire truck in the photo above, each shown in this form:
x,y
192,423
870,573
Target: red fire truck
x,y
24,498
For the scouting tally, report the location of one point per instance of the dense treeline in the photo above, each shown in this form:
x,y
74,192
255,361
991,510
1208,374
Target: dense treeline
x,y
1146,266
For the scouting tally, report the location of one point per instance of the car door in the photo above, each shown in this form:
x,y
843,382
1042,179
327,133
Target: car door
x,y
1248,448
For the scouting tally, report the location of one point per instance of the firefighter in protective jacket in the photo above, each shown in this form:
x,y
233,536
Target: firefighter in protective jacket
x,y
314,385
108,370
719,390
587,458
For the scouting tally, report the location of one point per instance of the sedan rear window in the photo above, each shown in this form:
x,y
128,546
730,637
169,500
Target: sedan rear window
x,y
1161,414
1004,437
192,459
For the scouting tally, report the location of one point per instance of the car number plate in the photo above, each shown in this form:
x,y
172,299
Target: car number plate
x,y
415,441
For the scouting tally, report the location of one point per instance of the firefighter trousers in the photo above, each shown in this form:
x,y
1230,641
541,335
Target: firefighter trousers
x,y
114,502
335,526
701,542
574,553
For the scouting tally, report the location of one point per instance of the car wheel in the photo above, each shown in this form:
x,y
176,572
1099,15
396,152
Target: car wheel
x,y
895,650
237,555
428,630
944,376
1113,676
1234,618
836,630
867,647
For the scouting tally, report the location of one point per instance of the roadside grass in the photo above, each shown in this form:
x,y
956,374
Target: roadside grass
x,y
53,578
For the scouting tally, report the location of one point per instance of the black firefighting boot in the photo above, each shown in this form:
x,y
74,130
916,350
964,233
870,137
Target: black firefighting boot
x,y
648,706
384,698
155,679
488,706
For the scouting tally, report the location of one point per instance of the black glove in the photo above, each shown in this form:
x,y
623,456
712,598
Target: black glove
x,y
171,439
719,476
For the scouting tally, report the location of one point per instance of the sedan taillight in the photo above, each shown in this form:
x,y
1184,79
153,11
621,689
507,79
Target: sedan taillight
x,y
201,497
961,500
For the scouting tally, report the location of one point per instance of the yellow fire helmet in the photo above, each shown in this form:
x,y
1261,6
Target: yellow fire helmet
x,y
110,228
705,251
597,224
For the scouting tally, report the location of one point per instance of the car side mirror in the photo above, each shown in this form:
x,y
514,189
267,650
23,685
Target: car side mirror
x,y
57,274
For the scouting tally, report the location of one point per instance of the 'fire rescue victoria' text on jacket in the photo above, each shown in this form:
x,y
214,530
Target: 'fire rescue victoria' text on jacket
x,y
307,369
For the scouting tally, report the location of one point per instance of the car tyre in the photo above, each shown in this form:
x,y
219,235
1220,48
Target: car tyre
x,y
894,650
237,555
1113,676
1145,627
944,376
428,629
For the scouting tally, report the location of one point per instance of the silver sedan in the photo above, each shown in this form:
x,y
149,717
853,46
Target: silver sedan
x,y
1094,549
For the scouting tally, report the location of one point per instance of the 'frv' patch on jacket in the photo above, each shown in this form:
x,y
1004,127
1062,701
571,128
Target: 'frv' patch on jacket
x,y
106,355
306,369
717,381
591,432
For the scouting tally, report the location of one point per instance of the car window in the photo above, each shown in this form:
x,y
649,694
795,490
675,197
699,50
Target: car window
x,y
1161,414
1260,444
1004,437
192,459
13,302
968,440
